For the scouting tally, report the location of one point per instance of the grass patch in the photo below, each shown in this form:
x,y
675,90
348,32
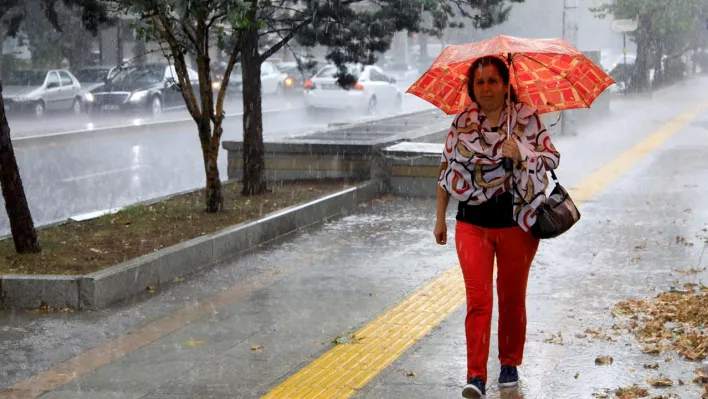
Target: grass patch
x,y
76,248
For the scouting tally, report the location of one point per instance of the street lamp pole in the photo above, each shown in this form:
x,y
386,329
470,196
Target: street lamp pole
x,y
570,30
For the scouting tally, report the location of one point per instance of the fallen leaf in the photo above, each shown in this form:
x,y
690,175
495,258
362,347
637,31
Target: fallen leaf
x,y
601,395
653,365
603,360
192,343
661,382
178,280
96,250
555,339
631,392
347,338
411,374
577,375
669,359
641,246
256,348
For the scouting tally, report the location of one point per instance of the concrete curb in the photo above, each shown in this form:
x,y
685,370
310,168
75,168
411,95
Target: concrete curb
x,y
122,281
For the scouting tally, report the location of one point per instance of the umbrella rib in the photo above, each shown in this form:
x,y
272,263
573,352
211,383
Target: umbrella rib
x,y
547,67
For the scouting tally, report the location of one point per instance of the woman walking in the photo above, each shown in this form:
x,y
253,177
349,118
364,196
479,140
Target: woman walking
x,y
496,209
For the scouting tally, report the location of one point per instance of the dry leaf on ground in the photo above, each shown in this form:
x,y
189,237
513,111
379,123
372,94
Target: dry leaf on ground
x,y
256,348
653,365
555,339
603,360
661,382
633,392
672,321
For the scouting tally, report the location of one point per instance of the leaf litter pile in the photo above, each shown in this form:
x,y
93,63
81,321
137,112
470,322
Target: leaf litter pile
x,y
672,321
91,245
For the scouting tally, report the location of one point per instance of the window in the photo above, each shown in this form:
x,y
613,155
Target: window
x,y
377,76
53,78
92,75
328,72
65,79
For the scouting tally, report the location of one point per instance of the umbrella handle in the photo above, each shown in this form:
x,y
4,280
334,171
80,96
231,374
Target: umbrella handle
x,y
508,163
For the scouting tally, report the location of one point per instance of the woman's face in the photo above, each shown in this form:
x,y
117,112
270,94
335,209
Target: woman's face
x,y
489,88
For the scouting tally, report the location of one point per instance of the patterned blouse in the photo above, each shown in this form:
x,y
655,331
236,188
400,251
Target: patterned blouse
x,y
471,170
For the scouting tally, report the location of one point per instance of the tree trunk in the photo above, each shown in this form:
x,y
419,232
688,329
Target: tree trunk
x,y
254,182
640,80
21,225
659,70
214,199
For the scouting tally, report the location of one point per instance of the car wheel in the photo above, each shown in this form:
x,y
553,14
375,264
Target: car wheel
x,y
39,109
371,109
156,106
76,106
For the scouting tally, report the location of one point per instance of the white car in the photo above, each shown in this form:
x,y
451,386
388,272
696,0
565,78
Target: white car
x,y
38,90
373,90
272,80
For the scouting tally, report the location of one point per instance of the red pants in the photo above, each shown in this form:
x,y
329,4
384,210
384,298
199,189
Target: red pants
x,y
514,249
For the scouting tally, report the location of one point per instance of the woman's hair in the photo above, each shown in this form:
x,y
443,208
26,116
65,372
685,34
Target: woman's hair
x,y
501,68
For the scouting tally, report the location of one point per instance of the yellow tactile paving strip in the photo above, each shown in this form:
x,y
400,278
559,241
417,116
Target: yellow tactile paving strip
x,y
346,368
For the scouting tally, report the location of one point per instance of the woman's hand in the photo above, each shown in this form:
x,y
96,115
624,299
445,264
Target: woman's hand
x,y
510,149
441,232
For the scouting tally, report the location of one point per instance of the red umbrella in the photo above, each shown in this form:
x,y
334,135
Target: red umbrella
x,y
548,74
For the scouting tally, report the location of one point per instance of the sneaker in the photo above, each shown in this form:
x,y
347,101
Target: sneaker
x,y
509,377
474,389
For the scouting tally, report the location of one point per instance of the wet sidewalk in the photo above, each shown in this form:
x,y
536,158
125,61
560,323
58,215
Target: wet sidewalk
x,y
247,327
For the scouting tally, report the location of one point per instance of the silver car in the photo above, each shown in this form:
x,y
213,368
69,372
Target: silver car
x,y
38,91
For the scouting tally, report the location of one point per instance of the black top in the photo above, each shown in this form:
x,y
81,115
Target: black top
x,y
495,213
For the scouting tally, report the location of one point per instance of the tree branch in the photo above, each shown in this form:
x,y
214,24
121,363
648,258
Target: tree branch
x,y
180,66
294,31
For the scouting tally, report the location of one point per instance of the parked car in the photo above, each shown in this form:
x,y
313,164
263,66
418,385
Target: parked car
x,y
93,76
374,89
272,80
38,91
295,78
144,88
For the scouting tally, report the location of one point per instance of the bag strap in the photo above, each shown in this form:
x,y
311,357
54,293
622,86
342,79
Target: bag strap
x,y
553,175
516,189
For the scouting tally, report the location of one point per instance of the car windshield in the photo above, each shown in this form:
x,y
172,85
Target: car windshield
x,y
331,71
92,75
26,78
146,74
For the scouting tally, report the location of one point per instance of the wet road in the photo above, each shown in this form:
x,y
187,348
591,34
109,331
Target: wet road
x,y
73,175
292,298
25,125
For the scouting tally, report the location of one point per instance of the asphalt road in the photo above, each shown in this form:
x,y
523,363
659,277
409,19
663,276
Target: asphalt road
x,y
71,176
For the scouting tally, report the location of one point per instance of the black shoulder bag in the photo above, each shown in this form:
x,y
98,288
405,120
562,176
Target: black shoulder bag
x,y
555,216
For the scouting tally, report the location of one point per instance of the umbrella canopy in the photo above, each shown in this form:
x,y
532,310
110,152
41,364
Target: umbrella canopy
x,y
548,74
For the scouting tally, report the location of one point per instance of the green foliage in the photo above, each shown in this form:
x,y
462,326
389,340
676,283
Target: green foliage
x,y
665,28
